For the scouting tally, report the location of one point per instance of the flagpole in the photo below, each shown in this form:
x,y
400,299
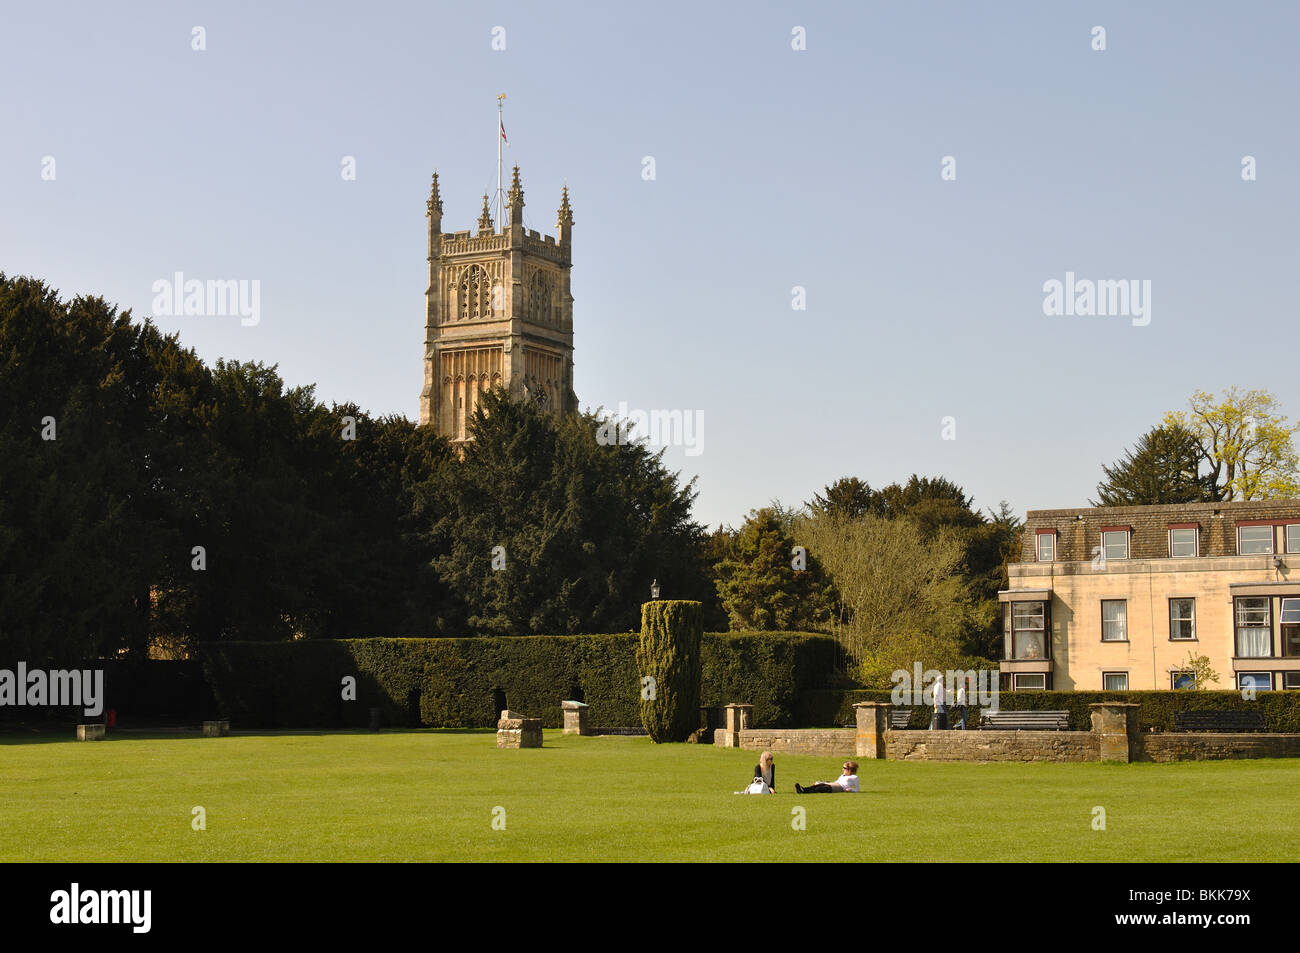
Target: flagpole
x,y
501,224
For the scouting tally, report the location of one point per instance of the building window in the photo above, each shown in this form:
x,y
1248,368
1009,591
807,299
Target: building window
x,y
1290,680
1182,620
1255,681
1182,680
1290,620
539,299
1114,620
1254,540
1293,538
1114,544
1182,542
1046,547
1026,635
1254,627
1035,681
1114,681
475,294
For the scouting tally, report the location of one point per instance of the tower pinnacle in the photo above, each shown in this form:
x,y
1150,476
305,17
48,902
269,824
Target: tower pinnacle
x,y
516,199
435,199
566,213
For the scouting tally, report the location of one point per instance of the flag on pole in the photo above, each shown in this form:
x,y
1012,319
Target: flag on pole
x,y
501,123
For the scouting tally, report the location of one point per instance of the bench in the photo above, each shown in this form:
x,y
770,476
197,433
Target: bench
x,y
1219,721
1025,720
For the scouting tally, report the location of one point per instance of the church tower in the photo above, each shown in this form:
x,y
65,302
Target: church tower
x,y
498,313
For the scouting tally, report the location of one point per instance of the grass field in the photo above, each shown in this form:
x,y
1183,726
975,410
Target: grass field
x,y
430,795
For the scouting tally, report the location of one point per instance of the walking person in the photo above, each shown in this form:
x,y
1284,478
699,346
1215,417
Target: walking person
x,y
940,720
961,703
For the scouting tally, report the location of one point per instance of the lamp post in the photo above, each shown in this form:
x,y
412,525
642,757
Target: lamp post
x,y
654,589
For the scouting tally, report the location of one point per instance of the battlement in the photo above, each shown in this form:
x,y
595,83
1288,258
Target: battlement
x,y
466,243
463,243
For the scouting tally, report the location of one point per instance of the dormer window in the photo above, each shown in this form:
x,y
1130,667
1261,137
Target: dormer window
x,y
1114,542
1184,540
1045,540
1254,540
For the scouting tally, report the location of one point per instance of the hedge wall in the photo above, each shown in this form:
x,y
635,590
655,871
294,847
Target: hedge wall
x,y
462,683
1281,710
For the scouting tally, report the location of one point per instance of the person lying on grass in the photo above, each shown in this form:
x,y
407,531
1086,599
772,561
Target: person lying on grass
x,y
848,781
765,771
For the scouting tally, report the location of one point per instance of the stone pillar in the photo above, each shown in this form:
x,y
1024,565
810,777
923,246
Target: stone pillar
x,y
516,731
575,718
1116,725
736,718
90,732
873,722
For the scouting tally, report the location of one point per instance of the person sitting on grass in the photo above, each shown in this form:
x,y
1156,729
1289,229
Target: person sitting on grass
x,y
764,776
848,781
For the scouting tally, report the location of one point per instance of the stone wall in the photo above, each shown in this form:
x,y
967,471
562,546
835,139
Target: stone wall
x,y
991,745
1216,746
822,742
1114,737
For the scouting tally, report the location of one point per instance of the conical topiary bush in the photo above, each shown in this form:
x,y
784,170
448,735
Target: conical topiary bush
x,y
668,660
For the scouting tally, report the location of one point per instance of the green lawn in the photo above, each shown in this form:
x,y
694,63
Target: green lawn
x,y
430,795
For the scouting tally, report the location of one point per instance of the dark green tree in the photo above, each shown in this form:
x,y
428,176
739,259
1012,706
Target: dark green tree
x,y
149,499
768,585
1163,467
847,497
78,545
543,528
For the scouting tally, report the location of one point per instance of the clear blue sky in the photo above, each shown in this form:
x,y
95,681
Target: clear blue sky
x,y
775,168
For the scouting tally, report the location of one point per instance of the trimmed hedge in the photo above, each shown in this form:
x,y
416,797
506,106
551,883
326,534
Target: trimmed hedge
x,y
462,682
1281,710
771,671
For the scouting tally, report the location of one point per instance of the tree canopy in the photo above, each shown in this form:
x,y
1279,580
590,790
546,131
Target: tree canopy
x,y
1246,443
1164,467
541,528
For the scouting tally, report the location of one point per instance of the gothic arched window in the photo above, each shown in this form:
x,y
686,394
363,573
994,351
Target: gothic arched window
x,y
539,299
475,294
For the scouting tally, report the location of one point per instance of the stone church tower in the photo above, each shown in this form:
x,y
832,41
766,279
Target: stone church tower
x,y
498,314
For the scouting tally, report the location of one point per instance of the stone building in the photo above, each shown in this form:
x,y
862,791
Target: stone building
x,y
498,313
1119,597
